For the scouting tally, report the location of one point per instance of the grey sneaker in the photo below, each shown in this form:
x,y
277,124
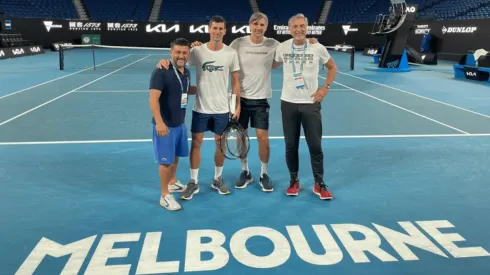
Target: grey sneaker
x,y
191,189
266,183
244,180
219,185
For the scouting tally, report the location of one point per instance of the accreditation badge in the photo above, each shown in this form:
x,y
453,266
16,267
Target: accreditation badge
x,y
300,82
183,101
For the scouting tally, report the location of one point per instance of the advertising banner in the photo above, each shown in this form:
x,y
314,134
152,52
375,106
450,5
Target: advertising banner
x,y
456,37
20,51
91,39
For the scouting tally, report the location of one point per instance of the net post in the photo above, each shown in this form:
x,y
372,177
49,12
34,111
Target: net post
x,y
93,54
352,57
62,65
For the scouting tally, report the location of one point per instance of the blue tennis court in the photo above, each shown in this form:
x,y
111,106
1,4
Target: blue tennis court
x,y
406,158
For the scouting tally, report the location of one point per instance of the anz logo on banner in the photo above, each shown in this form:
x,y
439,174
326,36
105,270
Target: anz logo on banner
x,y
162,28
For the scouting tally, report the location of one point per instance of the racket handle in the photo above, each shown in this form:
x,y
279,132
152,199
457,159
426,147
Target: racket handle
x,y
233,103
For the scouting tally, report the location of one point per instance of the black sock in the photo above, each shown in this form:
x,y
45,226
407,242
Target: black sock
x,y
294,176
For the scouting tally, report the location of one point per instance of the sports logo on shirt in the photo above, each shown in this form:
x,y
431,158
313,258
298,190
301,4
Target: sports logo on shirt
x,y
210,68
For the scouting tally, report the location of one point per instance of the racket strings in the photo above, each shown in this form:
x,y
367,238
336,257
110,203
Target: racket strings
x,y
235,141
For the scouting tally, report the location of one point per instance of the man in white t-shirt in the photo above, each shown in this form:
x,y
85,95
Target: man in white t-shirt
x,y
256,56
301,101
214,62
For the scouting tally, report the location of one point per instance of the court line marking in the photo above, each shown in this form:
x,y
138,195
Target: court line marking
x,y
146,91
251,138
61,77
407,110
114,91
428,98
67,93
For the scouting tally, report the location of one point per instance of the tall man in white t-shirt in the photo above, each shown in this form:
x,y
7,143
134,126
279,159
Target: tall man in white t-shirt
x,y
214,62
256,56
301,101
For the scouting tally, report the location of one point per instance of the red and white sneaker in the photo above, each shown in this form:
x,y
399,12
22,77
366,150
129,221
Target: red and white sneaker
x,y
293,188
321,190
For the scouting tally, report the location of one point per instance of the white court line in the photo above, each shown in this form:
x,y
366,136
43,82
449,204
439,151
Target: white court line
x,y
407,110
115,91
251,138
35,86
332,89
67,93
146,91
431,99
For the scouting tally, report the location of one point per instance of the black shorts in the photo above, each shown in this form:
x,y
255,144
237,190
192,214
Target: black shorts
x,y
255,111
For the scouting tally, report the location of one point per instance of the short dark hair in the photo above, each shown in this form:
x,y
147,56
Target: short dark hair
x,y
180,42
217,19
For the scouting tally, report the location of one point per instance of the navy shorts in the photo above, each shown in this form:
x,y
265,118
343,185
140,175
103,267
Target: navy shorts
x,y
215,123
173,145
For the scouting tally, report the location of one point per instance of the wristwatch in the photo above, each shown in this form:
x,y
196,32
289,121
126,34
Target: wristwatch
x,y
327,86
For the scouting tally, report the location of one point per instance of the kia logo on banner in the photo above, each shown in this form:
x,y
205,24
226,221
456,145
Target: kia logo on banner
x,y
2,54
49,25
244,29
348,29
162,28
199,29
81,26
463,30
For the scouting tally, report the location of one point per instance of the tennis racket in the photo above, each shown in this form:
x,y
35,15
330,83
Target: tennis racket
x,y
234,142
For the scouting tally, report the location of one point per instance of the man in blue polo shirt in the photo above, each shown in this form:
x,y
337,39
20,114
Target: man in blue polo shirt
x,y
169,89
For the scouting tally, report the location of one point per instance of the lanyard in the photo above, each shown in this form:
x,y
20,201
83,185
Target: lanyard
x,y
180,81
302,58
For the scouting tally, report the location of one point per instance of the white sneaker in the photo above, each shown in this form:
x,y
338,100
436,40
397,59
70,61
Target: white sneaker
x,y
170,203
176,187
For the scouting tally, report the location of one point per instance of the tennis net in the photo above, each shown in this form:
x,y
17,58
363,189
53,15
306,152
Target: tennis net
x,y
106,57
343,55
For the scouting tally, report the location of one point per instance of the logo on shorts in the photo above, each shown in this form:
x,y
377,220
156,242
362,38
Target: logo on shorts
x,y
210,68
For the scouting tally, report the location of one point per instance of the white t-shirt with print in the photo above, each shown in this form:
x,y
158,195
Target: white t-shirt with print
x,y
316,54
255,66
213,70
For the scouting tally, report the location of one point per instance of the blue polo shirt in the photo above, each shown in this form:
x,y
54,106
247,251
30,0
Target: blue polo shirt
x,y
170,100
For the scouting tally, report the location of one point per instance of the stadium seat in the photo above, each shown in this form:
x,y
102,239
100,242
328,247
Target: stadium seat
x,y
200,11
119,10
59,9
280,11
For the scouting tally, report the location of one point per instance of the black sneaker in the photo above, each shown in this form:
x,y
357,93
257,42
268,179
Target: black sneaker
x,y
244,180
266,183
